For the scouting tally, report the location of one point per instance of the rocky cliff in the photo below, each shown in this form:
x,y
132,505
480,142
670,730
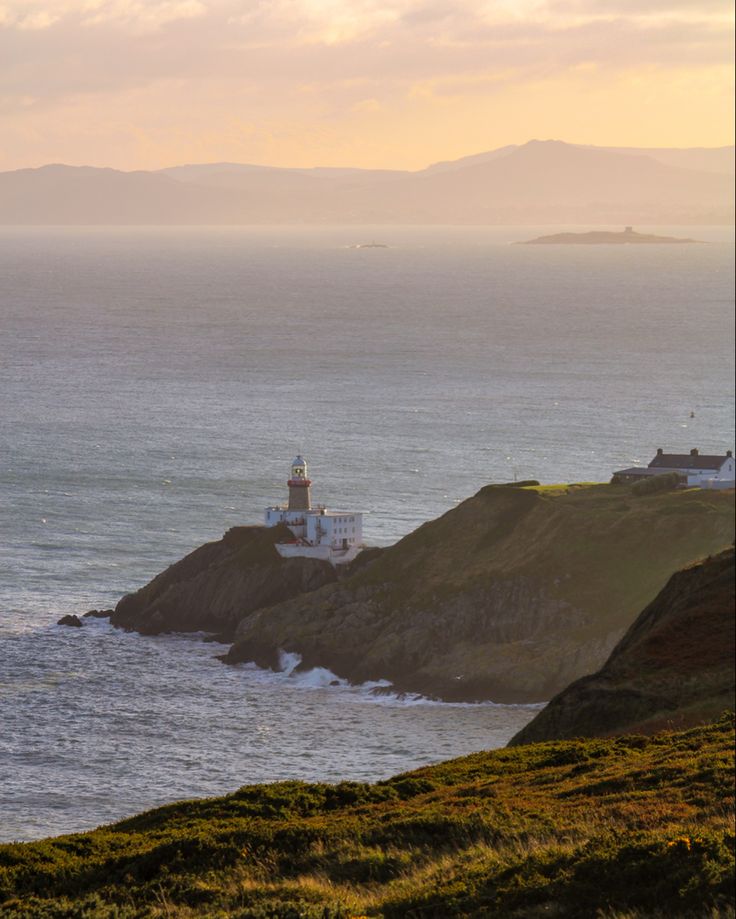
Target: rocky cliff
x,y
215,586
673,668
510,596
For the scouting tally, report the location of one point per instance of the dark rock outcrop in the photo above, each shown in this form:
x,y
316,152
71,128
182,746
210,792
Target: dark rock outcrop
x,y
98,614
673,668
71,620
510,596
216,586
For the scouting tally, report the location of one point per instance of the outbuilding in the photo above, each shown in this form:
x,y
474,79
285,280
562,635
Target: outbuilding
x,y
695,468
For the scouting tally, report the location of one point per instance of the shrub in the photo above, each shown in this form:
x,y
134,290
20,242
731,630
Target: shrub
x,y
657,483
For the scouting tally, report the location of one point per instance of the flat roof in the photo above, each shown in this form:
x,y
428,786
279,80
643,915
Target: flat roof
x,y
314,512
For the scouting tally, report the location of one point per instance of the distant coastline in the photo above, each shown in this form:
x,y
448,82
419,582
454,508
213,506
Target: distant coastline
x,y
517,185
627,236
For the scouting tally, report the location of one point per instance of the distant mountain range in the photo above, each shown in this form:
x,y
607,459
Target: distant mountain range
x,y
540,182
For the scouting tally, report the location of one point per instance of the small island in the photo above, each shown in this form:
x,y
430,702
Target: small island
x,y
627,236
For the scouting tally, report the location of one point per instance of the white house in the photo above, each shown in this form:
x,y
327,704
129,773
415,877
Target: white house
x,y
705,471
335,536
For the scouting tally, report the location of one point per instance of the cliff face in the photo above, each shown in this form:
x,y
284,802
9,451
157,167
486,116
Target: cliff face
x,y
673,668
215,586
510,596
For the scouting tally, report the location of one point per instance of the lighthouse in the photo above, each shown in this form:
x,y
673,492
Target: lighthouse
x,y
334,536
300,488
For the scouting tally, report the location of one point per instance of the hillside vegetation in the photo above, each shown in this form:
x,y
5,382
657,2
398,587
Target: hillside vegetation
x,y
510,596
673,668
624,827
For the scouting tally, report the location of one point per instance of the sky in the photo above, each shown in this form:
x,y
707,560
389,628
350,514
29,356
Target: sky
x,y
143,84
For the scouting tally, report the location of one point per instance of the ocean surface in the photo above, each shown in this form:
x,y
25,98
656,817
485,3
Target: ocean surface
x,y
154,386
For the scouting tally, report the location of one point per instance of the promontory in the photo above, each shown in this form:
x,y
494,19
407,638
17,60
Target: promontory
x,y
508,597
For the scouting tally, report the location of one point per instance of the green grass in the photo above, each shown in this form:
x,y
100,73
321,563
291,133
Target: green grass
x,y
561,488
616,828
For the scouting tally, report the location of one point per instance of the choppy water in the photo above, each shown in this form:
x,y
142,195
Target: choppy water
x,y
154,385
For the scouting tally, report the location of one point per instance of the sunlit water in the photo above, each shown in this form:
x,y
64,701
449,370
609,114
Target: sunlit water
x,y
154,387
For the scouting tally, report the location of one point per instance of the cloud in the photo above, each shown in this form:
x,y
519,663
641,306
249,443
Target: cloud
x,y
146,14
41,19
77,46
368,105
143,13
243,61
662,8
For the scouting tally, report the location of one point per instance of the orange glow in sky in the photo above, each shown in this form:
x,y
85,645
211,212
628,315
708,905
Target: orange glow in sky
x,y
373,83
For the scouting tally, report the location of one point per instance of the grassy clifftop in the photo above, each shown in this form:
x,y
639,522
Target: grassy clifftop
x,y
510,596
625,827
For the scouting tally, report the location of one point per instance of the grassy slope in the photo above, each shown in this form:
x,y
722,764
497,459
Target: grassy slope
x,y
509,596
553,532
629,826
674,668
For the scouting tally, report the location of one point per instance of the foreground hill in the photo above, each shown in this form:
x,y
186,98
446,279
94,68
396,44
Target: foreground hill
x,y
510,596
537,182
674,666
631,826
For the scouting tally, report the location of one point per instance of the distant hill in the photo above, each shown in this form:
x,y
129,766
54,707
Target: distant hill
x,y
673,668
543,182
701,159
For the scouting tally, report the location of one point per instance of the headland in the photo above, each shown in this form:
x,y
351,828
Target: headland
x,y
508,597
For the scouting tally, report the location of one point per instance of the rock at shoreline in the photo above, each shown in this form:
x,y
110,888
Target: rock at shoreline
x,y
71,620
674,668
98,614
213,588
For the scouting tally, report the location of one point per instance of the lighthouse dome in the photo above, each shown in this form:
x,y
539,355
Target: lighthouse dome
x,y
299,468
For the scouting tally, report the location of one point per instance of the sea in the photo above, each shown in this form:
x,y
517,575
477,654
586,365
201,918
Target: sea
x,y
155,384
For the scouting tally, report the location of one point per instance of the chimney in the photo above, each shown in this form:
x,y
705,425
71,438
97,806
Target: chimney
x,y
694,451
729,453
660,451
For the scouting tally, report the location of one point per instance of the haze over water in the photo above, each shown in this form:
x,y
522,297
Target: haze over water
x,y
154,387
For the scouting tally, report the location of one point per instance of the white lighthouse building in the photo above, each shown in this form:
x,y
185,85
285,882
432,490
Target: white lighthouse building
x,y
335,536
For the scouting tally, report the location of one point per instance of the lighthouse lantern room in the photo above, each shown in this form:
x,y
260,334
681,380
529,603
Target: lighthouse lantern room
x,y
335,536
300,487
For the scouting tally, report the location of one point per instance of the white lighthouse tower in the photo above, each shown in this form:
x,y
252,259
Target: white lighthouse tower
x,y
334,536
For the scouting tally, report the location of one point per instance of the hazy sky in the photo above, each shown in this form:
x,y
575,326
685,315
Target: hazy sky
x,y
388,83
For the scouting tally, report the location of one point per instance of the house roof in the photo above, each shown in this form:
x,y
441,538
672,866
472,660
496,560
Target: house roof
x,y
635,470
692,460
